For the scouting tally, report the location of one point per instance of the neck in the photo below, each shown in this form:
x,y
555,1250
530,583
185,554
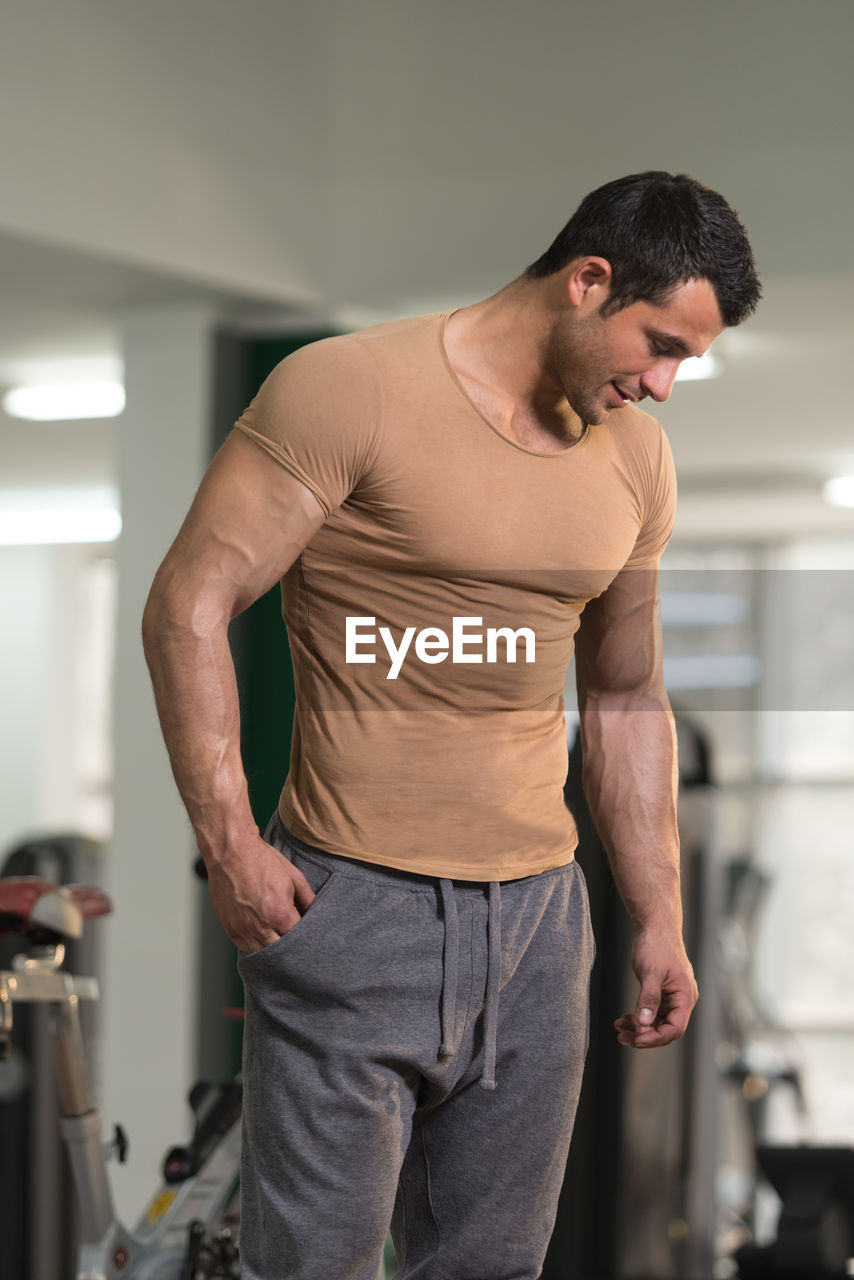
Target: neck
x,y
502,346
509,336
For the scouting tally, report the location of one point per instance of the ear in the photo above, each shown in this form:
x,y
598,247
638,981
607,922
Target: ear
x,y
588,283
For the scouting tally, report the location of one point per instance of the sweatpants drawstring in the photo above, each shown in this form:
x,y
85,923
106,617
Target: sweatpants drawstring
x,y
493,983
450,965
450,975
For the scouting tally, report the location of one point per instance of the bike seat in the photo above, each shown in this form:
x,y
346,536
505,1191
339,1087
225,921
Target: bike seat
x,y
28,902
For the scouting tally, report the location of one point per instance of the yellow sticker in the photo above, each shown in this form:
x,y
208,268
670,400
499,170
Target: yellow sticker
x,y
159,1207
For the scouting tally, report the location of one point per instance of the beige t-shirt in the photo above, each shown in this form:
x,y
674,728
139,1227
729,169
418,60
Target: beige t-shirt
x,y
431,618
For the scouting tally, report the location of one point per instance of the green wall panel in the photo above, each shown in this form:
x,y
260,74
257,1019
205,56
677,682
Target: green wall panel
x,y
260,645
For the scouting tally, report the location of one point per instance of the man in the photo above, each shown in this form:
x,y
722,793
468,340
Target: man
x,y
444,500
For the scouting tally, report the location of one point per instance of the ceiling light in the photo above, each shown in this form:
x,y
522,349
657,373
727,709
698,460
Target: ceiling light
x,y
44,517
73,524
697,368
61,402
839,492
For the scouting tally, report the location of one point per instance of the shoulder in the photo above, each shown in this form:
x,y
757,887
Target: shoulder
x,y
640,447
362,353
409,329
642,456
319,414
400,344
321,360
634,431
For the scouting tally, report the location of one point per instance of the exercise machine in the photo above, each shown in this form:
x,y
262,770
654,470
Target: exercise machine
x,y
190,1227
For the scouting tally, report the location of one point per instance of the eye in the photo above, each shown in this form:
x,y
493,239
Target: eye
x,y
658,348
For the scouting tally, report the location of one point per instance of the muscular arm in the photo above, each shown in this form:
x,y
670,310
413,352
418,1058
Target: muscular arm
x,y
630,781
248,523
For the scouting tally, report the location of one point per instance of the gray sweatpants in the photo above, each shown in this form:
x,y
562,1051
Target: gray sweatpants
x,y
412,1056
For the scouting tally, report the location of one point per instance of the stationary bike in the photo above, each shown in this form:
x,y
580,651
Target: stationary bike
x,y
190,1227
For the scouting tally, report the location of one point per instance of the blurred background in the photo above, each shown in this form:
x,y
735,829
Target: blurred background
x,y
191,188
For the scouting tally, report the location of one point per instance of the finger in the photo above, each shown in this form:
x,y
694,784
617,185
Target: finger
x,y
655,1037
649,1003
248,944
268,940
675,1023
267,931
650,1038
627,1029
275,921
303,893
289,917
638,1036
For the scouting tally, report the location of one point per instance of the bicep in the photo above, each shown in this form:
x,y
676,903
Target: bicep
x,y
618,646
248,523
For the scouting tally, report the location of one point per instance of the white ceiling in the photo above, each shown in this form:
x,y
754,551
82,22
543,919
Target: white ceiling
x,y
347,162
64,308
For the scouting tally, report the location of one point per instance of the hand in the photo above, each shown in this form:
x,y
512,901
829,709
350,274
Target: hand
x,y
258,894
668,992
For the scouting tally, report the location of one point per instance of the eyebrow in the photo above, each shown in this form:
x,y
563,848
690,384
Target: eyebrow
x,y
673,341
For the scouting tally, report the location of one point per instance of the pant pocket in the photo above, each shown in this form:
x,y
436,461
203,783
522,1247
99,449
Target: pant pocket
x,y
320,878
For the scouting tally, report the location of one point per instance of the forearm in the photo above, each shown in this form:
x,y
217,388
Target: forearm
x,y
630,781
186,647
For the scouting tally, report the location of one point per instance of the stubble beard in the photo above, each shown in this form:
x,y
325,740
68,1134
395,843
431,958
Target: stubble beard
x,y
577,359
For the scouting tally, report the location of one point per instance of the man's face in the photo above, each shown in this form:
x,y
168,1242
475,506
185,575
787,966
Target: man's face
x,y
604,362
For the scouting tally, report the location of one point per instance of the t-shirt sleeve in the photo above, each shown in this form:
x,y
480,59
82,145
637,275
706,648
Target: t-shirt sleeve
x,y
657,482
318,414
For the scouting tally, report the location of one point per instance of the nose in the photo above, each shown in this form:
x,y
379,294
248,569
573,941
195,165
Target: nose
x,y
658,381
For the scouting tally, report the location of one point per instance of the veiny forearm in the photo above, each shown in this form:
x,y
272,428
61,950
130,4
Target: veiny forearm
x,y
630,781
186,646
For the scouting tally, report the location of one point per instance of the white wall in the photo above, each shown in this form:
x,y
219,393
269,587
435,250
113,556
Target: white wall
x,y
26,651
149,961
56,743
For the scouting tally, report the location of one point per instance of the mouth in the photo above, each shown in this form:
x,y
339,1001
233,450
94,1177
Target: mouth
x,y
623,396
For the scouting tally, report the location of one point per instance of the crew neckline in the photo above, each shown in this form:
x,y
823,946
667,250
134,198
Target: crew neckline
x,y
515,444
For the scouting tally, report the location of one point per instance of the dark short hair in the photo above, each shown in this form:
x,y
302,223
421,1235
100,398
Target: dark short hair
x,y
659,230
